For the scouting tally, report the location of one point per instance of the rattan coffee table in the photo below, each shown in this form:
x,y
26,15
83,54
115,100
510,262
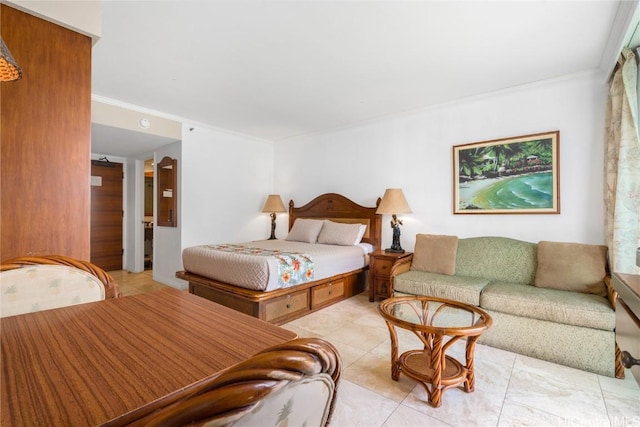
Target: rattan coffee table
x,y
438,323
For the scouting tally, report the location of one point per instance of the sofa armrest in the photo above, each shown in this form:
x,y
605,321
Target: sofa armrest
x,y
612,294
400,266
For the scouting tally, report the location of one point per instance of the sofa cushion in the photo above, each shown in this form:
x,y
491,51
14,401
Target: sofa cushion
x,y
572,267
588,349
570,308
435,253
497,258
457,288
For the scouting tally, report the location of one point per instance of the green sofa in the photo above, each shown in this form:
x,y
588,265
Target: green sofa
x,y
551,300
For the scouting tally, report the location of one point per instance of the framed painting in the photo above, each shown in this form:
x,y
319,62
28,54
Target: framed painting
x,y
518,175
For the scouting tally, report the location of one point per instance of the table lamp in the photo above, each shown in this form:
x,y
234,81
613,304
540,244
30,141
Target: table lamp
x,y
273,205
393,203
9,69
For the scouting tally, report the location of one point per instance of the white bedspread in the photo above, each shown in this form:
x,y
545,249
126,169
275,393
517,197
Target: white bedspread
x,y
260,272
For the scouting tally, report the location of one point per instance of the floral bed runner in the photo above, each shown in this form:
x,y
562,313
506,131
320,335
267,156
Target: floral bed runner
x,y
293,267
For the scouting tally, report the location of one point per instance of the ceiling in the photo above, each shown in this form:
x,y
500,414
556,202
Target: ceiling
x,y
113,141
278,69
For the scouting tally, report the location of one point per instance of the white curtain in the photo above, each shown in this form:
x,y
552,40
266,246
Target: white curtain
x,y
622,167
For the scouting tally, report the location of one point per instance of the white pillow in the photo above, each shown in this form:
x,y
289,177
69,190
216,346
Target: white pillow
x,y
366,247
305,230
336,233
363,228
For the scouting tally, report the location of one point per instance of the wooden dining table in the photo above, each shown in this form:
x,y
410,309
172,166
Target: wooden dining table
x,y
113,361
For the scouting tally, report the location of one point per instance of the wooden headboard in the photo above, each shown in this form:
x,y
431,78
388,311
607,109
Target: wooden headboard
x,y
340,209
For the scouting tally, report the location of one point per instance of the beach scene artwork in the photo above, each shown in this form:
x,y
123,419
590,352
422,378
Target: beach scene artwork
x,y
510,175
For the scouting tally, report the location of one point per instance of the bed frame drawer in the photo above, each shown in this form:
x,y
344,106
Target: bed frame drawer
x,y
288,306
327,293
281,305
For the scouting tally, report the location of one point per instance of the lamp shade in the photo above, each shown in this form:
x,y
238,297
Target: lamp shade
x,y
273,204
393,202
9,69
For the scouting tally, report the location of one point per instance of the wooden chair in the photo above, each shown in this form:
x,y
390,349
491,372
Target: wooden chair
x,y
29,284
293,384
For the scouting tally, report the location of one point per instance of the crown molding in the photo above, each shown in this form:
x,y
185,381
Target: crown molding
x,y
620,31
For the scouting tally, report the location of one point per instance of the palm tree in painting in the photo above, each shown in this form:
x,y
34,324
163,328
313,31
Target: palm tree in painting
x,y
515,153
469,160
500,152
543,145
543,148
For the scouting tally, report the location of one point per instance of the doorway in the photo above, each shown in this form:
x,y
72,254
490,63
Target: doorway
x,y
148,213
106,214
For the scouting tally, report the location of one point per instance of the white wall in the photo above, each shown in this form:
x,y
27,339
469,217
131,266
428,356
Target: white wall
x,y
131,241
167,246
414,152
225,181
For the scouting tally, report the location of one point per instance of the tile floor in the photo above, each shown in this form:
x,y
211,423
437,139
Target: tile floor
x,y
511,389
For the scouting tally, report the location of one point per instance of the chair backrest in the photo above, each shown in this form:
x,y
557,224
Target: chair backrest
x,y
293,384
30,284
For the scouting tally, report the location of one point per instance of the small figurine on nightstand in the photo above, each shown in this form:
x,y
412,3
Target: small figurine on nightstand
x,y
395,224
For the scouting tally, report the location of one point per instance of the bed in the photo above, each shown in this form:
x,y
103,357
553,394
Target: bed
x,y
272,301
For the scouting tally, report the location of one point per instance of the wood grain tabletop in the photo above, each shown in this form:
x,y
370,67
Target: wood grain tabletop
x,y
114,360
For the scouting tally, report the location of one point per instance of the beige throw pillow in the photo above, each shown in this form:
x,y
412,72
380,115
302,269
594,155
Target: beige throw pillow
x,y
574,267
336,233
435,253
305,230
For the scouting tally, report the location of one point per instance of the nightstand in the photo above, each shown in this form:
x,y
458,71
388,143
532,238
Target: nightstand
x,y
381,264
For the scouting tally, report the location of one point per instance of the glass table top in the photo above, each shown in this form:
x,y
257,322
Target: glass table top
x,y
428,313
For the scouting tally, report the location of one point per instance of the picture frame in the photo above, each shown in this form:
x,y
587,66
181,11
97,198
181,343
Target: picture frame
x,y
517,175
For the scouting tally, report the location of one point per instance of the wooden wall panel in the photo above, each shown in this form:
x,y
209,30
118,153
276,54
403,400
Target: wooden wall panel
x,y
45,131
